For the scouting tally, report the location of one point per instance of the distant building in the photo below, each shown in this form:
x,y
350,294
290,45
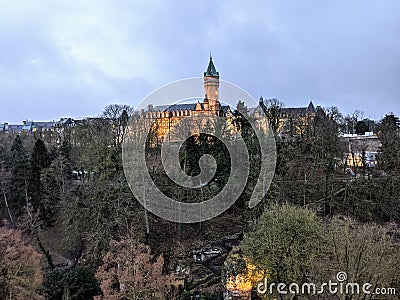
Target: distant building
x,y
38,126
168,115
290,112
362,150
11,128
293,120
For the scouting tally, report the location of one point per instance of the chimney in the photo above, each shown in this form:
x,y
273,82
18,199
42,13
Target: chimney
x,y
150,107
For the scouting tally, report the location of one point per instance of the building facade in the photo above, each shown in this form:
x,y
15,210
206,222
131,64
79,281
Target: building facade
x,y
168,115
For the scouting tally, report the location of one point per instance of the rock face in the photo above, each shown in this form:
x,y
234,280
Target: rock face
x,y
240,275
237,295
203,267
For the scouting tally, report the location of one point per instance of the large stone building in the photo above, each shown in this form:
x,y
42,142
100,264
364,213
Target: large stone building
x,y
168,115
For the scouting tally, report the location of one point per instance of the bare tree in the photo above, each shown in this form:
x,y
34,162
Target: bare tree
x,y
273,110
20,263
130,271
118,116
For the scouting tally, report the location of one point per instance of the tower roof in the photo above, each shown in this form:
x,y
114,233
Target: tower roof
x,y
311,107
211,70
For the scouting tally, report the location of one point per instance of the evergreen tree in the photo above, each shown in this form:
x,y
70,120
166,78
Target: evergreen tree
x,y
65,151
74,283
242,121
20,174
361,127
325,147
389,135
53,182
40,159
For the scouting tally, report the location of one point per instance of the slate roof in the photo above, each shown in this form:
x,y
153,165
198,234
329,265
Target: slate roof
x,y
211,70
254,110
27,126
176,107
66,121
182,107
296,111
225,109
16,128
44,124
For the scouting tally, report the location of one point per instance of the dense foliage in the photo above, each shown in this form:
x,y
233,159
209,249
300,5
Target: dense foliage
x,y
65,191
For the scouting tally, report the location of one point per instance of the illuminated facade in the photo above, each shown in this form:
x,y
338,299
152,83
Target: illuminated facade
x,y
168,115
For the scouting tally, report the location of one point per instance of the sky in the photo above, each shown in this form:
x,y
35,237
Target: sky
x,y
73,58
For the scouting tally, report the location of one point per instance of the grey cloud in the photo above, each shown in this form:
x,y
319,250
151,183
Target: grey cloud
x,y
342,53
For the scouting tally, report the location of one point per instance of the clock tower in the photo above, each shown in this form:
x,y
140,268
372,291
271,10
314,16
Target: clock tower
x,y
211,86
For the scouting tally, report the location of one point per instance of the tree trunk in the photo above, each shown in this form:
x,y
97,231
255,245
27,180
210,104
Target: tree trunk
x,y
8,208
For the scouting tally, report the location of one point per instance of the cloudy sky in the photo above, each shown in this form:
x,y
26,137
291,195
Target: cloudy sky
x,y
72,58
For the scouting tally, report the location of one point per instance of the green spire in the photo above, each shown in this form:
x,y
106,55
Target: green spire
x,y
211,70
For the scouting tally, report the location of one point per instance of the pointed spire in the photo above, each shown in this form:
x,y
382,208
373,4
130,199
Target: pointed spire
x,y
311,107
211,70
262,104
